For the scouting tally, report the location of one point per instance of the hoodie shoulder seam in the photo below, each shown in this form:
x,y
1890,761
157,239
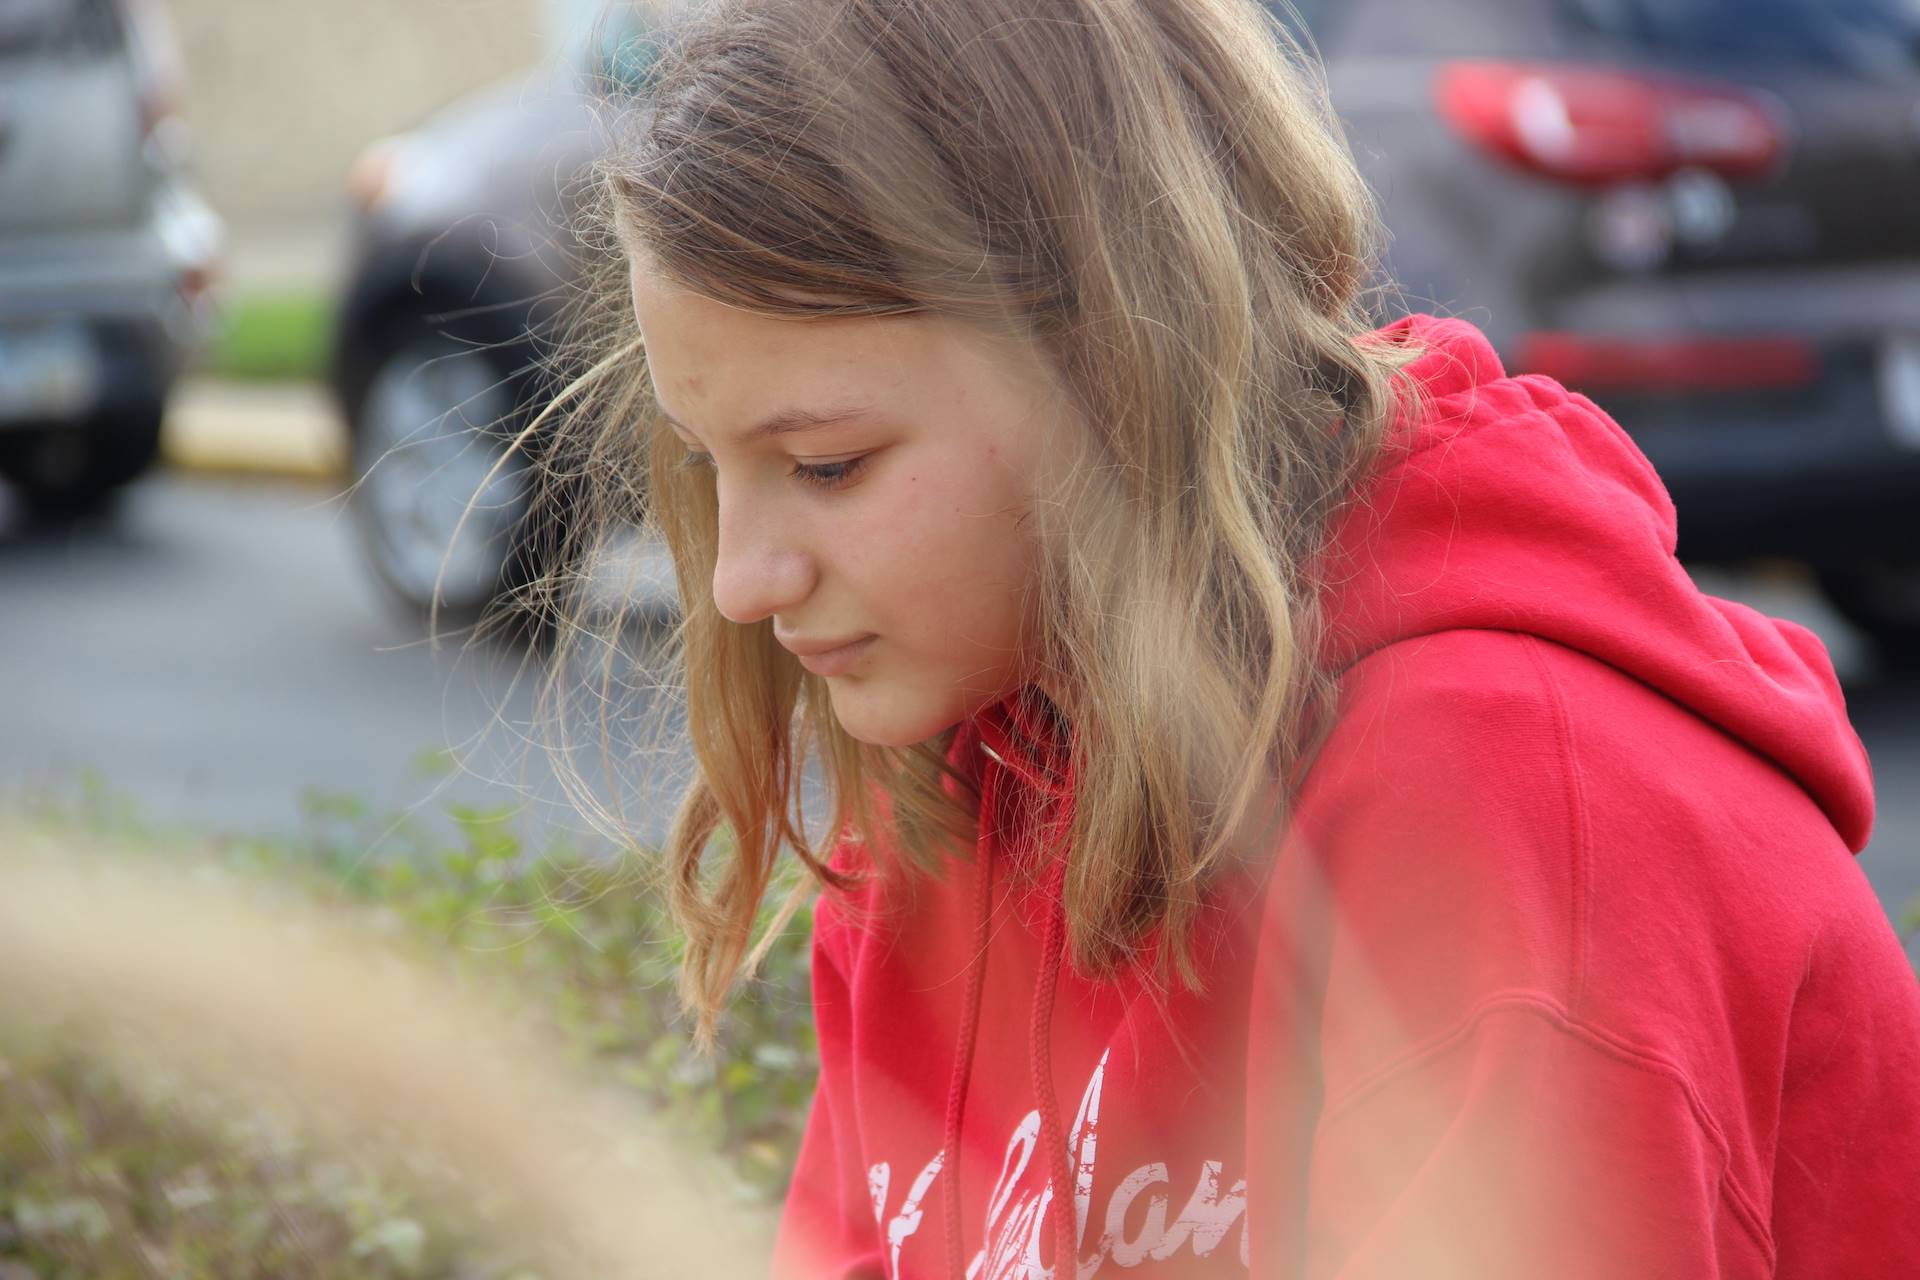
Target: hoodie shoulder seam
x,y
1573,783
1547,1009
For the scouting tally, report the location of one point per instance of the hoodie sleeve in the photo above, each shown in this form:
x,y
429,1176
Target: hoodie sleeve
x,y
1487,1107
827,1227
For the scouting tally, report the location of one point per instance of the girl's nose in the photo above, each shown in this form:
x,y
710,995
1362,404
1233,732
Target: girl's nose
x,y
757,572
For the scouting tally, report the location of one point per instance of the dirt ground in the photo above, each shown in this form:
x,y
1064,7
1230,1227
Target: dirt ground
x,y
281,95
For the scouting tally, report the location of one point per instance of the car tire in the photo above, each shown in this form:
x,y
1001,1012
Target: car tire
x,y
70,471
1882,600
430,439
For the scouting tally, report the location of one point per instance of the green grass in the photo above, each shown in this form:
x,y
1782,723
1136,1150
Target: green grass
x,y
108,1173
272,337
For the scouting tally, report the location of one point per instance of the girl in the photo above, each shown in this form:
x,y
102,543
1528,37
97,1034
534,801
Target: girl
x,y
1290,811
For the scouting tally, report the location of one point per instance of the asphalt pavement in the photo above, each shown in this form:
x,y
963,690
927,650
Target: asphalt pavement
x,y
216,648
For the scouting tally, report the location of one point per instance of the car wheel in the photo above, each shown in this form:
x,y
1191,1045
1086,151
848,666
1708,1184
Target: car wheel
x,y
69,471
1883,600
434,501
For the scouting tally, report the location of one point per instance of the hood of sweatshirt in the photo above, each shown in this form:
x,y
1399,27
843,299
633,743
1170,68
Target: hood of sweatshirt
x,y
1515,504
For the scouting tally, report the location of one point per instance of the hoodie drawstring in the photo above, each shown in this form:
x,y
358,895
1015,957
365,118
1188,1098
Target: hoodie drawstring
x,y
1065,1206
963,1062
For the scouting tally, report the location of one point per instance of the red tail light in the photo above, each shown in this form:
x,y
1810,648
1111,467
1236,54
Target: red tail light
x,y
1595,126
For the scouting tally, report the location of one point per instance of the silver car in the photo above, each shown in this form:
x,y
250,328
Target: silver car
x,y
107,252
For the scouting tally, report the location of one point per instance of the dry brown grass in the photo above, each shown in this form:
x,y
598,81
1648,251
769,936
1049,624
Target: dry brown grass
x,y
147,964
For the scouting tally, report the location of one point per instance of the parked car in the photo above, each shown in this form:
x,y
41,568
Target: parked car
x,y
107,250
461,268
1703,213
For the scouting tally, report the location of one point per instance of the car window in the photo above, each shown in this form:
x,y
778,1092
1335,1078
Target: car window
x,y
1844,33
57,28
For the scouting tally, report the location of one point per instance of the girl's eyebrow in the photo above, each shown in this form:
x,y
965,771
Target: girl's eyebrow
x,y
789,421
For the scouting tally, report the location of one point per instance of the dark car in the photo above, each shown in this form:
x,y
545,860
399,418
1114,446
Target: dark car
x,y
1703,213
462,268
107,251
460,260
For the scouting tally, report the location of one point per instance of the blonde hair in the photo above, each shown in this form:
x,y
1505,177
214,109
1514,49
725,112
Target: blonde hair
x,y
1154,194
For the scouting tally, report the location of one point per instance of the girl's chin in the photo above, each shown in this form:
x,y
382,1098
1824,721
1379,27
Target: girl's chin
x,y
882,717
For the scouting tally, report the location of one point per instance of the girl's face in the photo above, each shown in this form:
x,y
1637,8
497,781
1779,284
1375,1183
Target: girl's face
x,y
875,477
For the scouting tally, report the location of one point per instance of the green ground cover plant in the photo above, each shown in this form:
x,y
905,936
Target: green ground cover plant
x,y
108,1173
281,336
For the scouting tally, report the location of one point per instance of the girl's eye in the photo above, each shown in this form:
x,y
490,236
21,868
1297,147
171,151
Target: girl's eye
x,y
822,475
829,475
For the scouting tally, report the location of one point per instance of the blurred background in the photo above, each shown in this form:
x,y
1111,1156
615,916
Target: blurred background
x,y
271,275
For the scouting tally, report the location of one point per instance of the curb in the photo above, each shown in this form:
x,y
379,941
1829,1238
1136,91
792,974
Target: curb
x,y
279,430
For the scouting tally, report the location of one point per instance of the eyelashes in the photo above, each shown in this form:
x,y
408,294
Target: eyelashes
x,y
820,475
829,475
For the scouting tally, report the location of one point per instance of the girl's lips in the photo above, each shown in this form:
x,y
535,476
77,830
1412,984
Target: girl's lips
x,y
836,662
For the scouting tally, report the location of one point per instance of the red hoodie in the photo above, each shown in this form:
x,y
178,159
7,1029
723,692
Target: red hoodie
x,y
1564,967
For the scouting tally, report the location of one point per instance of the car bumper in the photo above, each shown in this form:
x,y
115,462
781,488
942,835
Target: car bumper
x,y
92,319
1822,473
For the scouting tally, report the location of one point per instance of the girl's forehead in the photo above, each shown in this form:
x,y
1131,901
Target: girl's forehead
x,y
717,365
718,368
